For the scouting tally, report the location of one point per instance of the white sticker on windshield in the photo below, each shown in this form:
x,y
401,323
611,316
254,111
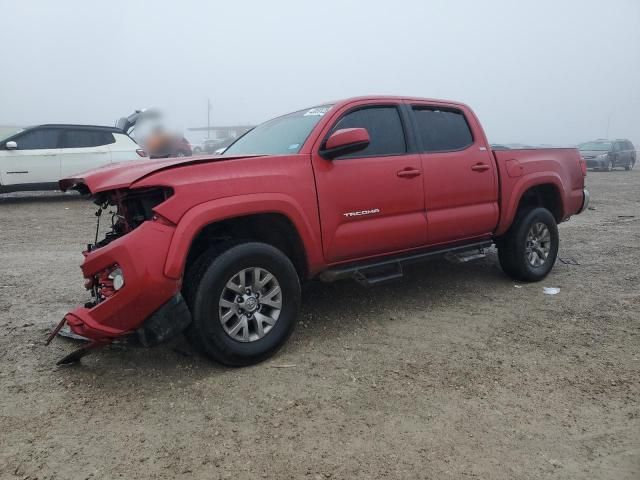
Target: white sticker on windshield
x,y
318,111
293,146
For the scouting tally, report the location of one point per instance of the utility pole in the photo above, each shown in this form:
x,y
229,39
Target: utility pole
x,y
208,117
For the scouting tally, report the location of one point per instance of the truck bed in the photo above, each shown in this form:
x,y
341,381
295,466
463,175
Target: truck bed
x,y
519,169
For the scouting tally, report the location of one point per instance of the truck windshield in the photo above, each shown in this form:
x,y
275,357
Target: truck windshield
x,y
595,146
280,136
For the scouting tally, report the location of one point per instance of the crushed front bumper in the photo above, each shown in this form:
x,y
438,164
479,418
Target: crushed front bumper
x,y
141,256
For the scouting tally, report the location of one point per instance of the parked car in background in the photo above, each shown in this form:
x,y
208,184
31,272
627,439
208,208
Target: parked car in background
x,y
211,145
218,245
608,154
180,148
197,148
36,158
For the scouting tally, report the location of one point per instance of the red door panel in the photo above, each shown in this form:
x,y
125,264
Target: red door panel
x,y
460,179
461,194
367,208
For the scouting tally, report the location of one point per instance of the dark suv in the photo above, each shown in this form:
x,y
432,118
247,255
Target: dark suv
x,y
608,154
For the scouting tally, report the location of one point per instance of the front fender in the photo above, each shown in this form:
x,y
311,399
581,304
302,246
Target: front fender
x,y
198,217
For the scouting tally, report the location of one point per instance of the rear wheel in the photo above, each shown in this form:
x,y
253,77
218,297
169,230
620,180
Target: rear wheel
x,y
529,249
244,302
630,165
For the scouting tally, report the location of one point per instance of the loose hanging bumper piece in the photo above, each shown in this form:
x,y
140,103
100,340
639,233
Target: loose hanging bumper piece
x,y
76,355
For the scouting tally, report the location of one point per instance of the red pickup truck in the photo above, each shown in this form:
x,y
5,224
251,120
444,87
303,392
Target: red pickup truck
x,y
217,246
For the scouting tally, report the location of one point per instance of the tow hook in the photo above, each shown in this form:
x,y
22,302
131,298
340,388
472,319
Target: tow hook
x,y
76,355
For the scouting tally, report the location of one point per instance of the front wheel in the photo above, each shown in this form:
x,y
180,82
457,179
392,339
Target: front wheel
x,y
244,302
609,167
529,249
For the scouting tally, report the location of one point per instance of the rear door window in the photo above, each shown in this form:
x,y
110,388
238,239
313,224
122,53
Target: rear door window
x,y
81,138
442,130
39,139
385,129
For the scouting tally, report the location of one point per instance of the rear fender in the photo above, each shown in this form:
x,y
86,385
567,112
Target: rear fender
x,y
512,194
198,217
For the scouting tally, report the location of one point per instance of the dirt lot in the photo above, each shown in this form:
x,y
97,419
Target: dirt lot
x,y
456,372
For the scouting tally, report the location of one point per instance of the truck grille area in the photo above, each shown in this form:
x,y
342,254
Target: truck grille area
x,y
127,210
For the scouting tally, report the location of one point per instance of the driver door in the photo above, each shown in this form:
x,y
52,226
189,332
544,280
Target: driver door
x,y
371,202
35,160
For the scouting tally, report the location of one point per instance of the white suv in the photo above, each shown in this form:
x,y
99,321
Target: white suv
x,y
36,158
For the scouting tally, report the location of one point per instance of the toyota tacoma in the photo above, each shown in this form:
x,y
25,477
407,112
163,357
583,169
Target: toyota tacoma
x,y
217,247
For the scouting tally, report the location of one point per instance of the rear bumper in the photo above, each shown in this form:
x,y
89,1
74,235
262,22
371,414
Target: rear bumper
x,y
585,200
141,256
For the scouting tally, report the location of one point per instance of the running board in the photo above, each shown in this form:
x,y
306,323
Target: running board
x,y
380,271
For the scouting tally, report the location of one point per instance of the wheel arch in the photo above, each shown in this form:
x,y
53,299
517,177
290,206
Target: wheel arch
x,y
266,218
537,192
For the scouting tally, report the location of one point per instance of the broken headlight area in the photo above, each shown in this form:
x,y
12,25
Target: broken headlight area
x,y
104,284
127,209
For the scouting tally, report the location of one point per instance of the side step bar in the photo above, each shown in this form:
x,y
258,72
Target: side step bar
x,y
379,271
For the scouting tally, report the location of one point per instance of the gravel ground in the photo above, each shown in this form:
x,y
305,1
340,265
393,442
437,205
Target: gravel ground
x,y
455,372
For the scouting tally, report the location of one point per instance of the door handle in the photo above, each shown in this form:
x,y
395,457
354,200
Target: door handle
x,y
408,173
480,167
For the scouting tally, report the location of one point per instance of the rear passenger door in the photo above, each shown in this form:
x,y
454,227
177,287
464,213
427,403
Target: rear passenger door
x,y
370,202
84,149
460,181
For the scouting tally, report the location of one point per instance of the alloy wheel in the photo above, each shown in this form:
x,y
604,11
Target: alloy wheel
x,y
250,304
538,244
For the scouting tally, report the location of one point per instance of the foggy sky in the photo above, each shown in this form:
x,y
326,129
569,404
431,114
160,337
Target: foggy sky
x,y
537,71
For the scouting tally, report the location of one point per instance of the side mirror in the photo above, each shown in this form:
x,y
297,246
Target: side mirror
x,y
11,145
345,141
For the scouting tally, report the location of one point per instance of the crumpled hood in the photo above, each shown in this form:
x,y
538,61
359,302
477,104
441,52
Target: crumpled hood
x,y
123,174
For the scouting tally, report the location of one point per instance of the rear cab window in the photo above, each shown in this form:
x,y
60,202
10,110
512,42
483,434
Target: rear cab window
x,y
384,125
442,129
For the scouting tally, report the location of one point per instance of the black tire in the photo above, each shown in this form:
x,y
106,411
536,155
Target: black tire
x,y
204,286
512,248
504,256
630,165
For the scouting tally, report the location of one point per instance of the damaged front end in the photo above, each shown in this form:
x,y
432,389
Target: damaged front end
x,y
124,272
